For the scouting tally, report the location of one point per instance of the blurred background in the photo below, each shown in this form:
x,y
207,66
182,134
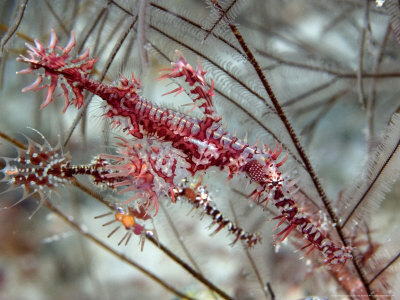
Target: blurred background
x,y
334,69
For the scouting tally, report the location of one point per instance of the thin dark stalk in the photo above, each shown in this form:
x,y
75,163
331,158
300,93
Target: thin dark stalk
x,y
372,99
360,82
220,67
244,110
292,39
11,30
242,83
25,37
370,186
197,26
216,64
58,19
13,141
117,47
189,269
339,18
182,244
164,249
387,75
91,193
389,264
348,75
393,9
270,290
309,129
222,16
121,8
92,27
249,256
86,257
295,140
2,68
321,103
300,150
310,92
302,65
284,119
122,257
178,238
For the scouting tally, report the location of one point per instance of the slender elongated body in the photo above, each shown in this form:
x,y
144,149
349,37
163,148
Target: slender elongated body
x,y
176,144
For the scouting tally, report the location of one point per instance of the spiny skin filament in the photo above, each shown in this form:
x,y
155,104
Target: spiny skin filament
x,y
146,167
200,143
198,196
279,191
39,169
42,168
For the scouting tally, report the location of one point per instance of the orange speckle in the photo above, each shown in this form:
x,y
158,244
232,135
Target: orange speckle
x,y
190,194
127,220
12,172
